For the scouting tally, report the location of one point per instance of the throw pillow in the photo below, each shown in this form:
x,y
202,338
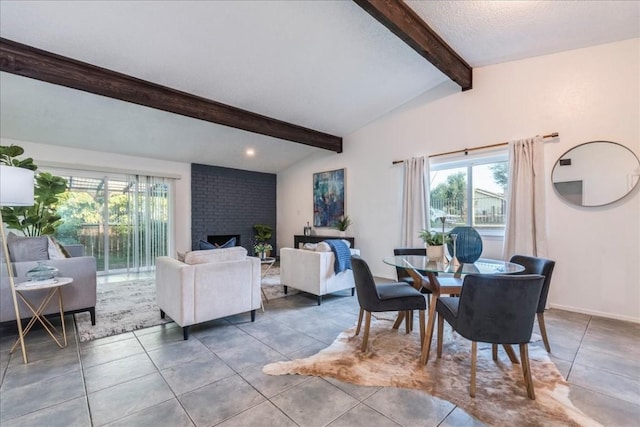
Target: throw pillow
x,y
55,249
28,248
204,245
310,246
228,244
323,247
181,255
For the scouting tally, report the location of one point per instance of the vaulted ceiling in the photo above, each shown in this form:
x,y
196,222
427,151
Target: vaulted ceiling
x,y
328,66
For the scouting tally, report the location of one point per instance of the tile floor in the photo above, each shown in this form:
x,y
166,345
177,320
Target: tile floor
x,y
152,377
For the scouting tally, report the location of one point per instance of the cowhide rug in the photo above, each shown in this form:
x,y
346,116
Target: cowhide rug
x,y
392,361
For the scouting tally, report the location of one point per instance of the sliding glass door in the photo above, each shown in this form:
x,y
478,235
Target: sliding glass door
x,y
123,221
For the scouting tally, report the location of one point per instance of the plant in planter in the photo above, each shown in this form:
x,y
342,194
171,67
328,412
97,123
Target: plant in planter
x,y
261,238
343,223
262,249
41,218
435,243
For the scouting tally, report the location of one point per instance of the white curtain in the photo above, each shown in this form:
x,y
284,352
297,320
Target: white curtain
x,y
525,231
415,201
149,217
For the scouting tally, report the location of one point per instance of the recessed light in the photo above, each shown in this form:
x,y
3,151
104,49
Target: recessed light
x,y
250,152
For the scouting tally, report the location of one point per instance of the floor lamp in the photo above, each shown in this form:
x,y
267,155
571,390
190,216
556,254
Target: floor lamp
x,y
16,189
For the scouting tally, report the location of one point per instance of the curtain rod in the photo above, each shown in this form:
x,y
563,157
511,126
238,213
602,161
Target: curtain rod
x,y
466,150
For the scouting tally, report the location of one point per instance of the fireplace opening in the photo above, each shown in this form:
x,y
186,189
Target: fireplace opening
x,y
221,239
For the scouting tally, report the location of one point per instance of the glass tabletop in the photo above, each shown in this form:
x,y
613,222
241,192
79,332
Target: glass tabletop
x,y
481,266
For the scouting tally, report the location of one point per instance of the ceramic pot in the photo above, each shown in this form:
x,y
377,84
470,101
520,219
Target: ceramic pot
x,y
435,253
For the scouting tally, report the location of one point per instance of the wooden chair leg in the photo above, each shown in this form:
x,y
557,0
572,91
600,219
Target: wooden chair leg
x,y
511,353
407,320
543,332
399,319
426,348
440,331
422,328
367,324
359,320
526,371
474,362
494,351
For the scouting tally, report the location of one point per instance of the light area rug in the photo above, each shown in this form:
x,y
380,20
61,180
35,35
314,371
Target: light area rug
x,y
392,361
271,285
121,307
131,305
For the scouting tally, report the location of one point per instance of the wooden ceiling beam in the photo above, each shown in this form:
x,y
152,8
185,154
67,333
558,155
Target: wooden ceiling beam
x,y
27,61
405,23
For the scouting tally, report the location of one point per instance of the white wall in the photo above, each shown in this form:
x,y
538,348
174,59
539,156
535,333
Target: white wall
x,y
97,160
585,95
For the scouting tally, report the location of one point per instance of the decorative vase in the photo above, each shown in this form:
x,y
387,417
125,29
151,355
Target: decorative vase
x,y
42,272
435,253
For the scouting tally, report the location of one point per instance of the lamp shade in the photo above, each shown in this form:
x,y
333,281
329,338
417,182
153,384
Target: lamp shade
x,y
16,186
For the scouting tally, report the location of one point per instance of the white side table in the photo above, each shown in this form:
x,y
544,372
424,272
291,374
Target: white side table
x,y
54,287
269,261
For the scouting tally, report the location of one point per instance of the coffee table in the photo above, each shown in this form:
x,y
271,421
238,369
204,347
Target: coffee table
x,y
53,287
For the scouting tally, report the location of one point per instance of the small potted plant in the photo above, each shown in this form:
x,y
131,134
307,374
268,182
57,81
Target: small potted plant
x,y
435,243
343,223
262,249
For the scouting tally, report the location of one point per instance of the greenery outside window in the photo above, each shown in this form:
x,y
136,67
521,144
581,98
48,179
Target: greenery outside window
x,y
470,191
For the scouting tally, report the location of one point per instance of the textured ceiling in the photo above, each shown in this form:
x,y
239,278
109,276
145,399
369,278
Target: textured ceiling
x,y
326,65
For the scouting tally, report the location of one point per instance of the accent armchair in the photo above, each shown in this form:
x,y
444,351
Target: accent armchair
x,y
208,285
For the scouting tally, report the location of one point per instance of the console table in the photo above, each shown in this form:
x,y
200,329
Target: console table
x,y
302,239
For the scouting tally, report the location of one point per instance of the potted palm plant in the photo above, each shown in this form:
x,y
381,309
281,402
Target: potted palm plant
x,y
343,223
435,243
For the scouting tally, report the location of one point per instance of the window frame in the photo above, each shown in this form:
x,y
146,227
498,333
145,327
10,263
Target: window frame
x,y
468,161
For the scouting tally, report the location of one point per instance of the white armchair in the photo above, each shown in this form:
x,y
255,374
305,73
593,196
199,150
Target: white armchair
x,y
313,272
208,285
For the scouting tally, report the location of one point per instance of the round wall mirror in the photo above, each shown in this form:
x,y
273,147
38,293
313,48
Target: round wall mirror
x,y
596,173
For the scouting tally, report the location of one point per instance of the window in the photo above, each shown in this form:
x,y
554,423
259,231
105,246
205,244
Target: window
x,y
470,191
121,220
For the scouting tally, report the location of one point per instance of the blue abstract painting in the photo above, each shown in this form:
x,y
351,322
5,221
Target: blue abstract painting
x,y
328,198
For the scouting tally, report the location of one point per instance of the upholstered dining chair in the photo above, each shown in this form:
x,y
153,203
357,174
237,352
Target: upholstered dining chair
x,y
374,298
468,244
496,309
404,276
543,267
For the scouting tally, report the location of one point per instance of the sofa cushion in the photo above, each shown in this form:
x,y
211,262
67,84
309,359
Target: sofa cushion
x,y
215,255
27,248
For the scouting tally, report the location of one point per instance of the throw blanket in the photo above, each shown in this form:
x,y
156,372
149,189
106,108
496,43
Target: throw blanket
x,y
342,255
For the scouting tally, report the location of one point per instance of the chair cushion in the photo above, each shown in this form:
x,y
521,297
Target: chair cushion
x,y
27,248
400,296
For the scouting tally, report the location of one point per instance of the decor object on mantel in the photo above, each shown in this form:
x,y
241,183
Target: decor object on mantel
x,y
393,364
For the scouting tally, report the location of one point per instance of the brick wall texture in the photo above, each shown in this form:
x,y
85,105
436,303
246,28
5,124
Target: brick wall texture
x,y
230,201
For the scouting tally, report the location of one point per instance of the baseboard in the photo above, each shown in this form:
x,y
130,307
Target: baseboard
x,y
595,313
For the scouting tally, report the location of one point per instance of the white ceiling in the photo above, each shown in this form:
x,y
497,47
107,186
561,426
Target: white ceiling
x,y
326,65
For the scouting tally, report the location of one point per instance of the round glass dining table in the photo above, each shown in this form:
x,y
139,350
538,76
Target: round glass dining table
x,y
427,274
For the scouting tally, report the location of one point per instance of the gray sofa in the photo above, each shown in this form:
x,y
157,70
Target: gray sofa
x,y
78,297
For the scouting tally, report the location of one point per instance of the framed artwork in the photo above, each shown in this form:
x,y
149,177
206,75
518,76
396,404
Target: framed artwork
x,y
328,198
